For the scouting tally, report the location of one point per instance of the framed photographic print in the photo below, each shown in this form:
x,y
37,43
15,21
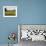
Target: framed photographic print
x,y
9,11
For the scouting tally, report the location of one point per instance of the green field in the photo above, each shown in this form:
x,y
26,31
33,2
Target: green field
x,y
10,13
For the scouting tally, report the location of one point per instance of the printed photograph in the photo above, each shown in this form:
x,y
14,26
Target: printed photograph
x,y
29,34
10,11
